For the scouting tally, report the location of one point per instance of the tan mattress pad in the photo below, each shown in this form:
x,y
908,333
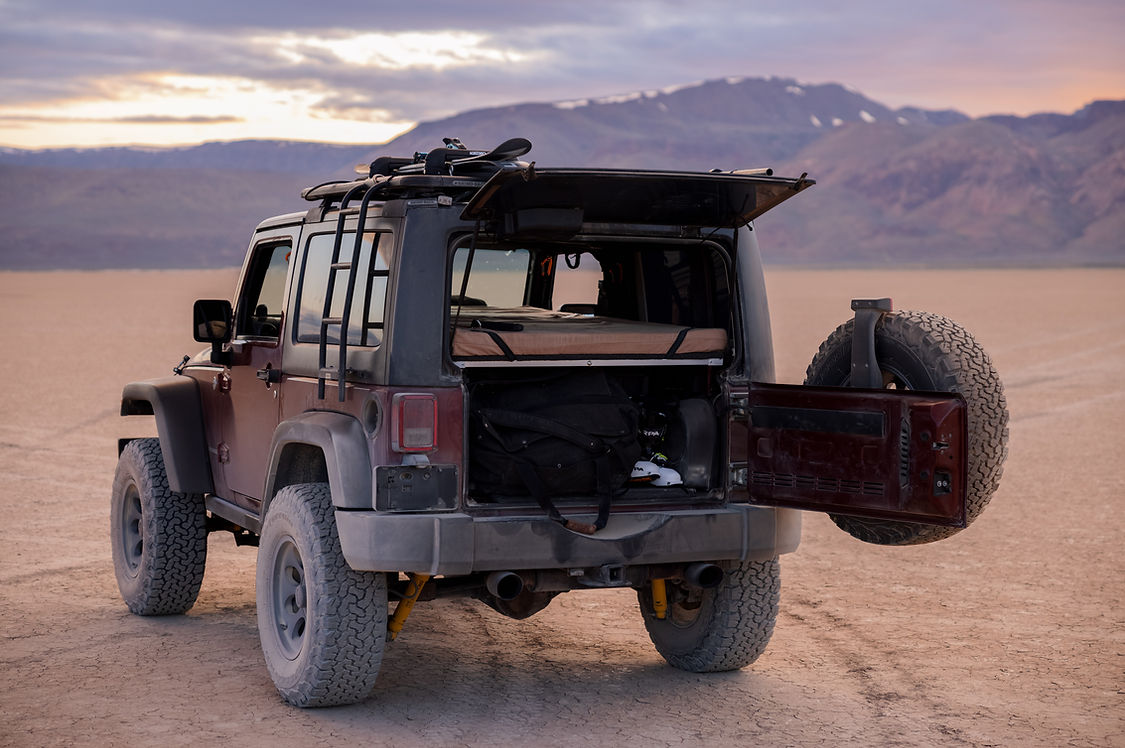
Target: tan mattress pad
x,y
533,333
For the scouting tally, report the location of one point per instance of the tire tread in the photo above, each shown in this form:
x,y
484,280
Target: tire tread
x,y
348,611
737,621
174,535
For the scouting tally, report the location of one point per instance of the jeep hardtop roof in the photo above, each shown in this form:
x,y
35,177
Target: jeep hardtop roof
x,y
288,219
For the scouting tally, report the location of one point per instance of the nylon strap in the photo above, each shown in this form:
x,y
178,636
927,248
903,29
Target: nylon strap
x,y
527,422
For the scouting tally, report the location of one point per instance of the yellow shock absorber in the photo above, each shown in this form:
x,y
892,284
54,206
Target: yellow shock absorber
x,y
659,599
402,610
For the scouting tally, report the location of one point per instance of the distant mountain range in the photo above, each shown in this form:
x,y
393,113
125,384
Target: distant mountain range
x,y
905,186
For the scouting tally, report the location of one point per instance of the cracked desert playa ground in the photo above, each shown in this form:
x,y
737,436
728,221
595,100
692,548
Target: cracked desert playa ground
x,y
1010,634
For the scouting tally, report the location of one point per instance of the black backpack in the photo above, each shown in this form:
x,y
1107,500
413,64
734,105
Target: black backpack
x,y
573,434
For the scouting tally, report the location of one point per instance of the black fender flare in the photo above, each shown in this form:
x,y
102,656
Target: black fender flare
x,y
179,422
342,443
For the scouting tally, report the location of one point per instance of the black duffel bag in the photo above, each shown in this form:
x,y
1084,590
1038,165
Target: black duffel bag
x,y
572,434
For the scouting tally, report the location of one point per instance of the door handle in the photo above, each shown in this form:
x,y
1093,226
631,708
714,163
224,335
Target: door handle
x,y
269,375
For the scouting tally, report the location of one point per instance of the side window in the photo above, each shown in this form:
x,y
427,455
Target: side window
x,y
498,277
577,275
686,287
263,295
365,323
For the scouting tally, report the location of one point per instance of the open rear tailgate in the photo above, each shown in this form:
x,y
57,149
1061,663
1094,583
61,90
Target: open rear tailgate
x,y
633,197
883,454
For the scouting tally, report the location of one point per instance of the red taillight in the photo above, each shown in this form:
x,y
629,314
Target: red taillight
x,y
414,422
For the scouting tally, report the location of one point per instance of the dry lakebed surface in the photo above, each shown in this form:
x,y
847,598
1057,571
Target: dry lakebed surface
x,y
1009,634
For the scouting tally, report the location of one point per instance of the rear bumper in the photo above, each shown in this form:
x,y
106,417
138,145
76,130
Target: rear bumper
x,y
455,544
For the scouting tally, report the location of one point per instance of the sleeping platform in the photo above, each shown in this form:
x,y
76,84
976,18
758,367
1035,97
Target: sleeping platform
x,y
530,336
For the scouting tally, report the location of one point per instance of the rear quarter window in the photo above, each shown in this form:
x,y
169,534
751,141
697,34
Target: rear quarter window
x,y
365,323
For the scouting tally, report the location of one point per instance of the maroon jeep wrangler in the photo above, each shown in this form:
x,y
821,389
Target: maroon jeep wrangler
x,y
463,375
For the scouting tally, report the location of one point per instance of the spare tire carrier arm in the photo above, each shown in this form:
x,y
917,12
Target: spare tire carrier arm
x,y
865,367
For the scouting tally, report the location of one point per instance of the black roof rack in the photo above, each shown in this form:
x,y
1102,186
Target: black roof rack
x,y
453,170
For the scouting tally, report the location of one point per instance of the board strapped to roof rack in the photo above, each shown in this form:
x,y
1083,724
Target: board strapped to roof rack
x,y
456,157
442,170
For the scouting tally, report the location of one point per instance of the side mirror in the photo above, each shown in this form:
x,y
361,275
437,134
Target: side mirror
x,y
212,320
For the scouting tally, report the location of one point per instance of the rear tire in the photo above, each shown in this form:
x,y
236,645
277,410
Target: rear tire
x,y
158,536
725,628
922,351
322,624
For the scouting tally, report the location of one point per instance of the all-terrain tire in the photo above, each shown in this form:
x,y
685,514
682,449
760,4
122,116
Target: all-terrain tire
x,y
725,628
322,624
922,351
158,536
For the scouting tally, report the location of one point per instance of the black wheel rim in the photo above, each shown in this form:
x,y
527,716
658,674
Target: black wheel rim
x,y
132,529
290,599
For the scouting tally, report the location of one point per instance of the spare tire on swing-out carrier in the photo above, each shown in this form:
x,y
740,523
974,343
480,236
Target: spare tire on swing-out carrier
x,y
928,352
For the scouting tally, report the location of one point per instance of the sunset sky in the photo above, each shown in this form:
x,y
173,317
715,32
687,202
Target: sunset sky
x,y
90,72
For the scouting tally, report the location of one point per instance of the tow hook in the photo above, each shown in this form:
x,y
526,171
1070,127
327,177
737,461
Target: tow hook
x,y
865,367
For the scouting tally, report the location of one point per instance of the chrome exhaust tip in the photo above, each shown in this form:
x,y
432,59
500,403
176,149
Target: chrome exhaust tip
x,y
506,585
704,575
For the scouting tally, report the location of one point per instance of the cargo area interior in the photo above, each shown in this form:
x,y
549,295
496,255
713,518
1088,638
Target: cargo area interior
x,y
646,327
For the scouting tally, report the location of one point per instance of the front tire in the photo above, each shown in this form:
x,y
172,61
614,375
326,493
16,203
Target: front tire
x,y
922,351
322,624
158,536
725,628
